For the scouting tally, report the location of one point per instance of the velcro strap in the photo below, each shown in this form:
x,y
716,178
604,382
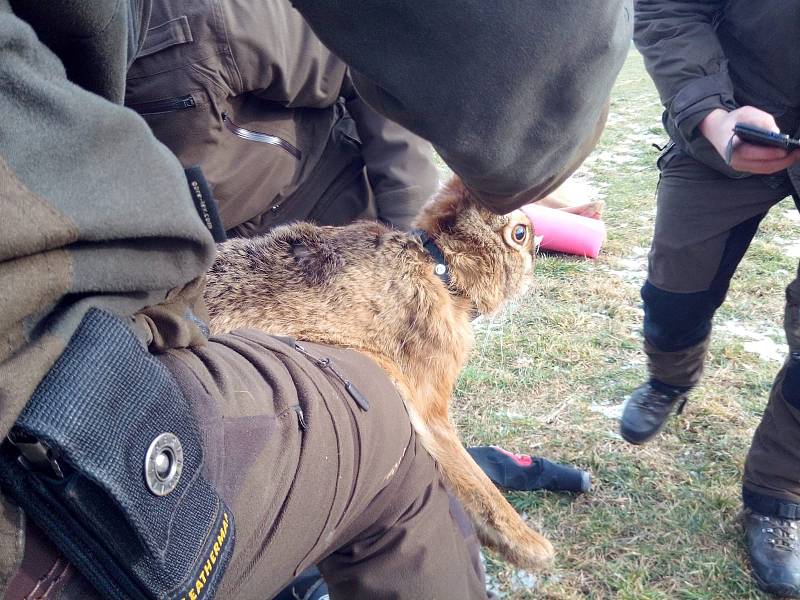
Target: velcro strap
x,y
205,203
770,506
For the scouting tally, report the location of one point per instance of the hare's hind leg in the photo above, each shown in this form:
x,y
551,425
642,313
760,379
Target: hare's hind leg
x,y
499,526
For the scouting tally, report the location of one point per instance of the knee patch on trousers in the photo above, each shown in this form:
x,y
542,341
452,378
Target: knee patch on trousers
x,y
673,321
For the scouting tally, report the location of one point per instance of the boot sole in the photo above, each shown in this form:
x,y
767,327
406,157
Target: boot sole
x,y
777,589
638,441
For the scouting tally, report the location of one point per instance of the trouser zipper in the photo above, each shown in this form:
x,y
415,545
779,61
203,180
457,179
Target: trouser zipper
x,y
164,106
258,136
327,364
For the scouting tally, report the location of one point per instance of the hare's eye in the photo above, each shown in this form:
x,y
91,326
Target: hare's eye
x,y
520,233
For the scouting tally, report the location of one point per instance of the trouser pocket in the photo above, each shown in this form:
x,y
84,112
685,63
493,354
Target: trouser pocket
x,y
334,192
108,460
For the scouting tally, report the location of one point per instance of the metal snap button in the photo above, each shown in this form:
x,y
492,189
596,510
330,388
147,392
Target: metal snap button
x,y
163,464
439,269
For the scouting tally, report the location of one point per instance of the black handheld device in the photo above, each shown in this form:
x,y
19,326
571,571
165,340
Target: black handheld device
x,y
765,137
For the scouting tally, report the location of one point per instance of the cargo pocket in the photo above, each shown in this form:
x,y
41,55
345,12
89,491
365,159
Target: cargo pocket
x,y
107,459
338,185
166,84
166,105
165,35
664,158
666,155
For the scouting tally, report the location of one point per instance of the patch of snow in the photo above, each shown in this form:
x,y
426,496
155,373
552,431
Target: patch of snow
x,y
634,269
790,248
762,342
619,157
523,580
767,350
492,583
611,411
633,264
630,276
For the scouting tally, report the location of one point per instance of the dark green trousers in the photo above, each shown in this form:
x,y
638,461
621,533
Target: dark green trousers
x,y
705,222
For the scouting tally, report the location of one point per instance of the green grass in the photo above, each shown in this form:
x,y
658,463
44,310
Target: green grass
x,y
661,520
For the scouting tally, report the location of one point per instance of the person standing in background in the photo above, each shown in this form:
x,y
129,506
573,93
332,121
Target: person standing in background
x,y
717,64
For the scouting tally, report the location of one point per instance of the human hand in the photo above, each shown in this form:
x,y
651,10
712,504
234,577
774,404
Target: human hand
x,y
717,127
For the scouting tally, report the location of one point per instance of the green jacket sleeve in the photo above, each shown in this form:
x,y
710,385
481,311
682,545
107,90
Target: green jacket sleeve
x,y
511,94
95,212
685,59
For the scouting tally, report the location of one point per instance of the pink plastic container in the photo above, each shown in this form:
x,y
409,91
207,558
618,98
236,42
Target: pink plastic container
x,y
564,232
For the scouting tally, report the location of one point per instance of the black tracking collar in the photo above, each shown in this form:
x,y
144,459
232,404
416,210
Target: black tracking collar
x,y
440,269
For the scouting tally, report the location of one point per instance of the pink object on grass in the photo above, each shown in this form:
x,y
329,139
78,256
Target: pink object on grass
x,y
523,460
564,232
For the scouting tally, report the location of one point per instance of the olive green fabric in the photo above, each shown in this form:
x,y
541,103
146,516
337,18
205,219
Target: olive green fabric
x,y
95,211
85,224
509,93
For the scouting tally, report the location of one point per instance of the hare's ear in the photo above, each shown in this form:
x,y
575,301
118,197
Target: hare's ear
x,y
439,214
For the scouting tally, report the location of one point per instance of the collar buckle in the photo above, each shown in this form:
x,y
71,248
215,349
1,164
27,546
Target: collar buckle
x,y
440,267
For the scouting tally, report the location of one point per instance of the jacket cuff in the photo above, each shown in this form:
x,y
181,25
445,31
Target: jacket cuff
x,y
698,98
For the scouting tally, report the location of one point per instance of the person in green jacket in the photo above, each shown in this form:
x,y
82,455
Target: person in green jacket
x,y
145,460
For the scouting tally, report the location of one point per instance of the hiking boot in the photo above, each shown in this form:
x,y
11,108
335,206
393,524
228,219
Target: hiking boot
x,y
774,553
646,411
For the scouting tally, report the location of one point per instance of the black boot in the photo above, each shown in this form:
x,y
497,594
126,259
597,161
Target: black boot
x,y
774,553
646,411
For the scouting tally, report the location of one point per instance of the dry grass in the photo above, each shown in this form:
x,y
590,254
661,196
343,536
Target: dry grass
x,y
660,522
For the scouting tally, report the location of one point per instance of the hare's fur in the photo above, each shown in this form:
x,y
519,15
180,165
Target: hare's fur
x,y
373,289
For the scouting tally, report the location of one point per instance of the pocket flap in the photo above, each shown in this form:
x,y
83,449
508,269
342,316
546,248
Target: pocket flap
x,y
173,32
110,411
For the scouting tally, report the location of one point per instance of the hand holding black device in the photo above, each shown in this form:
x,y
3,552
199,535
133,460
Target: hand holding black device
x,y
765,137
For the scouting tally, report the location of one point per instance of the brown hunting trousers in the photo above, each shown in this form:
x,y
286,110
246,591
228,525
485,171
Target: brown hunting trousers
x,y
311,478
705,222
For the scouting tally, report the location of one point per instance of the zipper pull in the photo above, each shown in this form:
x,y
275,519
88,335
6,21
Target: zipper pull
x,y
362,402
301,418
326,363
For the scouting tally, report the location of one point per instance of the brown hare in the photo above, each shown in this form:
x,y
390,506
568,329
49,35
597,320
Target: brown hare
x,y
406,300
